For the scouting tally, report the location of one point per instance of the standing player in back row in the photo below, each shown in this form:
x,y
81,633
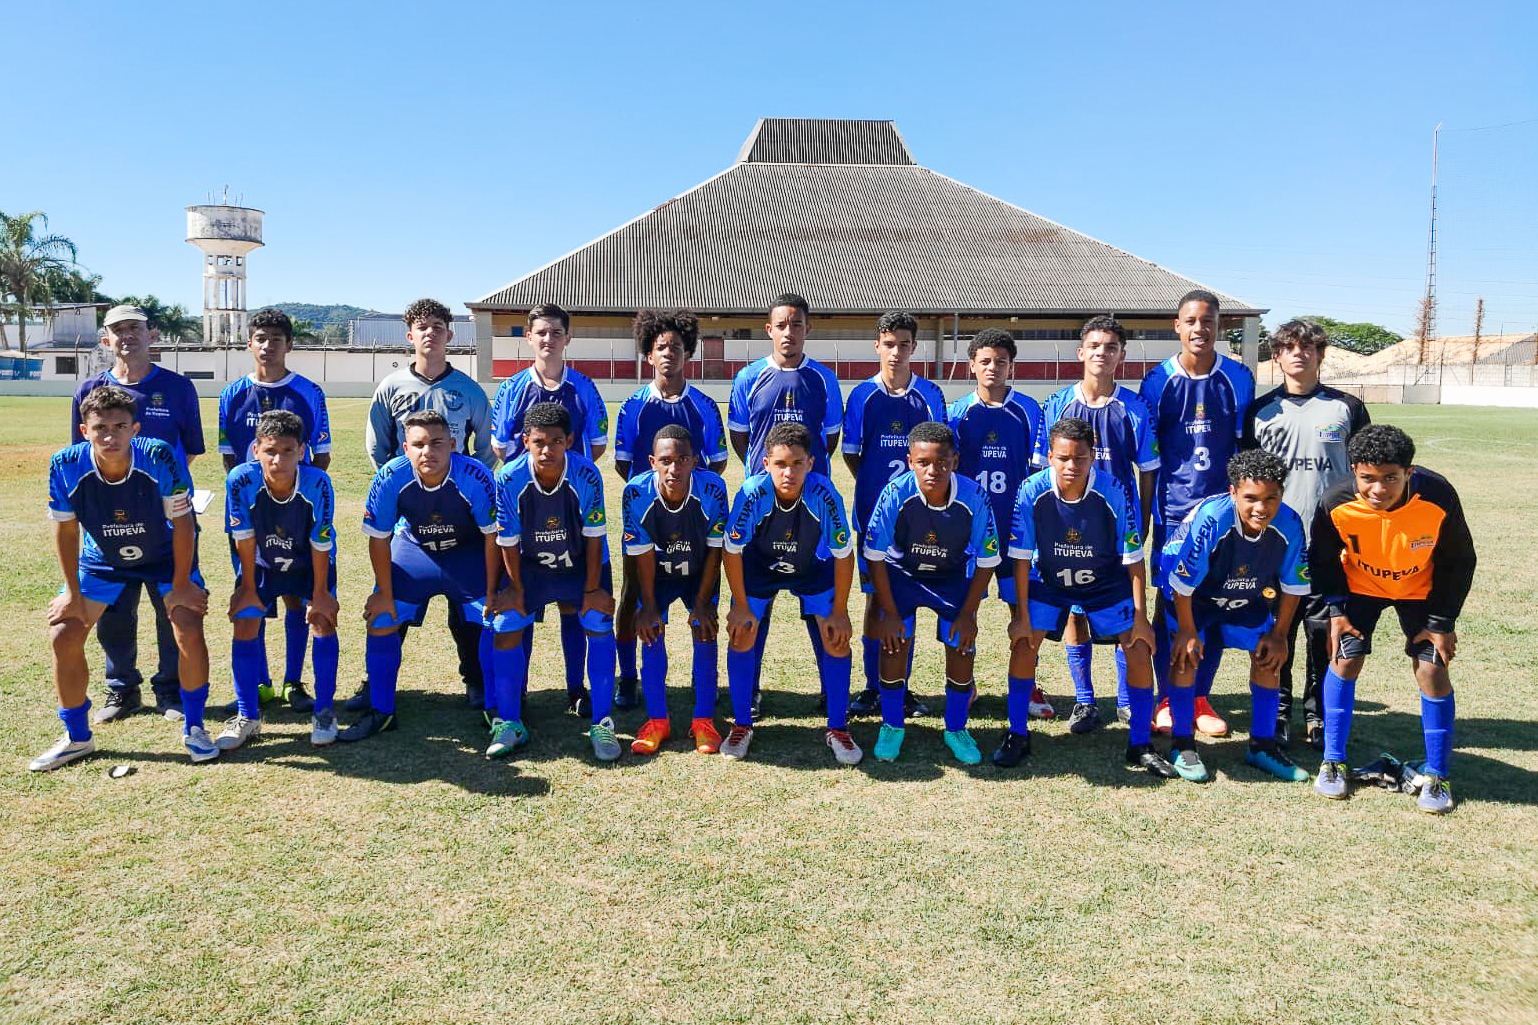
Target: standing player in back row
x,y
880,413
1197,398
666,341
1124,448
997,430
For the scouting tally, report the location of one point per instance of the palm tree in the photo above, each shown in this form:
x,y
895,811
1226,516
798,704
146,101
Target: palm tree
x,y
26,263
173,321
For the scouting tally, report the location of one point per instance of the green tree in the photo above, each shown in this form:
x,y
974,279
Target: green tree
x,y
1362,338
73,285
173,320
26,261
1235,337
304,330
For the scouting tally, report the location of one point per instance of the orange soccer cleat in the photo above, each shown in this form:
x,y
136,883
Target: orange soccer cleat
x,y
707,740
652,735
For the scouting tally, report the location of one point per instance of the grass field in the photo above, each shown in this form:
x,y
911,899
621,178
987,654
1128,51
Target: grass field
x,y
406,879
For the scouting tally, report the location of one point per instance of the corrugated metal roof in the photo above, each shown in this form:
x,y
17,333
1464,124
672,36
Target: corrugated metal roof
x,y
798,140
852,239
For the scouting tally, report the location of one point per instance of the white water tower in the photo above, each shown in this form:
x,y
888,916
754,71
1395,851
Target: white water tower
x,y
226,234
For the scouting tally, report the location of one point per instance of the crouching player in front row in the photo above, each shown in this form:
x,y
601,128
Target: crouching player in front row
x,y
931,544
122,513
1075,542
431,521
278,512
1393,535
788,532
555,548
1223,558
675,522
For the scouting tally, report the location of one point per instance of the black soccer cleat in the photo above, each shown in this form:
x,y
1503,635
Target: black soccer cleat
x,y
359,702
579,703
867,702
372,722
626,695
1143,756
1013,747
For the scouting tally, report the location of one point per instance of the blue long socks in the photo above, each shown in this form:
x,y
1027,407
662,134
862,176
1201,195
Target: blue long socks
x,y
1437,725
77,722
600,671
246,659
1079,659
1141,701
1018,703
627,658
1183,711
509,675
1264,704
194,702
654,678
326,653
707,678
574,645
1339,702
741,669
892,711
958,705
296,638
382,662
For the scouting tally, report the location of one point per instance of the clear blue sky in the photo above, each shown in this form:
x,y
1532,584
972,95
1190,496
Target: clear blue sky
x,y
1277,152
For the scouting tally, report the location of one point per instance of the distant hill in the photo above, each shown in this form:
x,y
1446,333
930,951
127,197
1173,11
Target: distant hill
x,y
324,316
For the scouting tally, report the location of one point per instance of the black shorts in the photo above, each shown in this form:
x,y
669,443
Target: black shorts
x,y
1363,612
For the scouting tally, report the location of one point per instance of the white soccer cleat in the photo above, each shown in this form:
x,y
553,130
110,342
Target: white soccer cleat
x,y
199,745
237,731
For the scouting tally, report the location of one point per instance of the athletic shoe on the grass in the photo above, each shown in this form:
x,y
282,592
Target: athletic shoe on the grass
x,y
1163,722
1040,707
372,722
1332,781
844,749
62,753
1085,718
1436,796
1012,748
120,704
889,743
1276,762
652,735
579,703
913,706
605,744
1208,721
625,696
299,699
323,728
359,702
735,746
1124,714
199,745
266,692
237,731
507,736
963,747
1315,735
867,702
168,703
707,739
1188,765
1143,756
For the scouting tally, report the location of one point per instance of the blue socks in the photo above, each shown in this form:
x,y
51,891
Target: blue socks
x,y
574,648
1122,700
600,670
707,678
1264,704
958,701
892,711
77,722
296,638
246,658
483,653
1141,701
1163,646
1183,711
1018,703
626,649
326,653
509,674
835,684
1079,657
1339,702
741,671
1437,725
193,704
1207,669
382,662
654,677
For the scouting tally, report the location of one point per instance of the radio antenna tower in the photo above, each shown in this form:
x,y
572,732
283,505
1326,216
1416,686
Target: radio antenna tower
x,y
1428,312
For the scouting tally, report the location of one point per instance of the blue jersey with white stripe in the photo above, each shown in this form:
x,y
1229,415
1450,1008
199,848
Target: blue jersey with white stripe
x,y
1197,425
1079,550
933,543
242,402
647,411
550,527
994,446
126,523
168,409
764,394
876,426
1225,570
680,536
1124,439
589,416
788,548
452,515
285,529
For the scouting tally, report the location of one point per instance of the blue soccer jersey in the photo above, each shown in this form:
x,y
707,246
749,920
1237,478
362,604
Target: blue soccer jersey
x,y
285,529
928,543
242,402
1080,550
444,519
589,416
788,548
764,394
646,412
126,523
550,527
994,446
1225,571
1124,438
168,409
876,426
680,536
1197,424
